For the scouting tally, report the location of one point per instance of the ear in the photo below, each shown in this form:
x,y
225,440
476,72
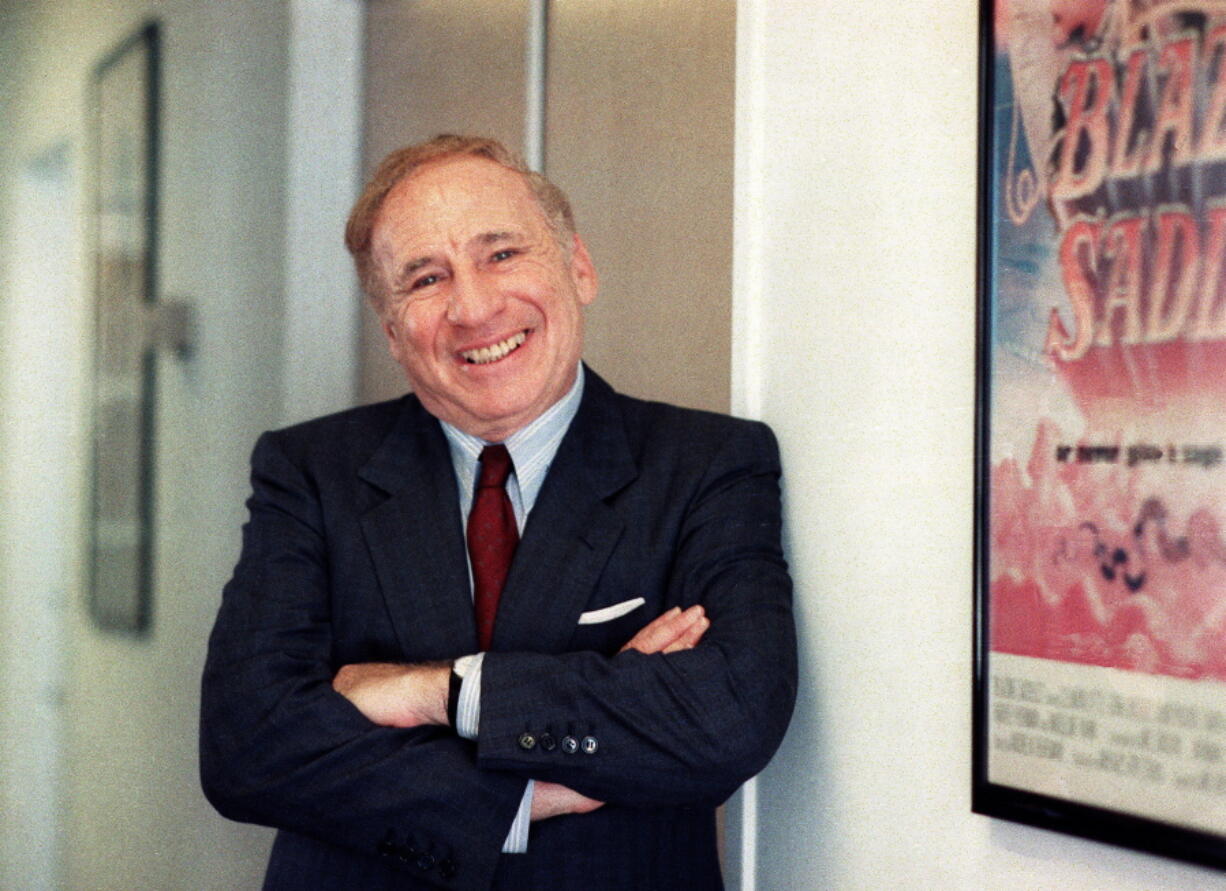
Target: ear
x,y
394,344
583,271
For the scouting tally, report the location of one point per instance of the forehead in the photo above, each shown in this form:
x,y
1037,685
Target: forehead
x,y
457,198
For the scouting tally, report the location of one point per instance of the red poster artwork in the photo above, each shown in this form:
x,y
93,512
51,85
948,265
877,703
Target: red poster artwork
x,y
1107,544
1103,546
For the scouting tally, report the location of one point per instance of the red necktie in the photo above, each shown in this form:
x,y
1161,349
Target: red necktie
x,y
492,537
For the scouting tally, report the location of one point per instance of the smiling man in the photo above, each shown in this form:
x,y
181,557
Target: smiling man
x,y
481,299
513,630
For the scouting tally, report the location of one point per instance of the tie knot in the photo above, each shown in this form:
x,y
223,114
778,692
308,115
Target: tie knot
x,y
495,467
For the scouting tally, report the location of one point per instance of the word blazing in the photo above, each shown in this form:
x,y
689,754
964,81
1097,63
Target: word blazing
x,y
1137,184
1109,130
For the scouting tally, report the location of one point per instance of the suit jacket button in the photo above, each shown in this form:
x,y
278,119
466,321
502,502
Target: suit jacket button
x,y
548,743
590,745
527,742
447,868
570,745
424,862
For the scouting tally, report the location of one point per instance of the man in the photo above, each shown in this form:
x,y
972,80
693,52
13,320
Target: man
x,y
404,706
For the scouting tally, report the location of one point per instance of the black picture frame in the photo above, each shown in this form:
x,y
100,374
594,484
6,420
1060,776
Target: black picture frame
x,y
123,102
1080,725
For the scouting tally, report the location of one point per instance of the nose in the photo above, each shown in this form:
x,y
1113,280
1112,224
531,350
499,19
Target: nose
x,y
473,299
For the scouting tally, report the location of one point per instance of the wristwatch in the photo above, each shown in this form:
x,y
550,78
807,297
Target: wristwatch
x,y
453,694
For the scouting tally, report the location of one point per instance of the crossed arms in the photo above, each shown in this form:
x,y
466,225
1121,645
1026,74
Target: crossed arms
x,y
303,721
395,695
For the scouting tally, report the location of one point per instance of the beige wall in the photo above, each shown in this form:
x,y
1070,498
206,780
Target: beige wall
x,y
436,66
638,132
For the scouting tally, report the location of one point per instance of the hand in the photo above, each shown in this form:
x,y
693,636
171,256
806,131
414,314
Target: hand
x,y
397,695
671,631
553,800
667,633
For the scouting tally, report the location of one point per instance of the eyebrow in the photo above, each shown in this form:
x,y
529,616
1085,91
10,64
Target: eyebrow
x,y
407,270
496,236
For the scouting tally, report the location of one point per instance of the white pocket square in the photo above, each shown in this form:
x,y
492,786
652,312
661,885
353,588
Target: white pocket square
x,y
609,613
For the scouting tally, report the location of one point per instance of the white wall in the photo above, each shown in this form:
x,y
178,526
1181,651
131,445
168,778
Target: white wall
x,y
854,338
134,816
323,169
36,570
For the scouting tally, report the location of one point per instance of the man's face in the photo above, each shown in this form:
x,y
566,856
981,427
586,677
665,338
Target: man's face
x,y
482,307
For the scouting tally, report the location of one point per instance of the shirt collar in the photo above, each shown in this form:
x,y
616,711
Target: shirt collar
x,y
532,447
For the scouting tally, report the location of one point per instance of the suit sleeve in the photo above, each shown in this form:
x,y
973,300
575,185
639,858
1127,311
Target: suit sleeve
x,y
683,728
279,747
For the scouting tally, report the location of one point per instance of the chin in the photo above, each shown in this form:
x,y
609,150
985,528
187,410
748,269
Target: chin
x,y
505,402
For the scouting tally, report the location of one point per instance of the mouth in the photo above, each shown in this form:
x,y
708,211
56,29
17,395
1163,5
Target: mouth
x,y
486,355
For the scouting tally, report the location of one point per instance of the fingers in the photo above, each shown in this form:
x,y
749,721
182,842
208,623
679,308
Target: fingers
x,y
351,677
674,630
656,634
690,636
553,799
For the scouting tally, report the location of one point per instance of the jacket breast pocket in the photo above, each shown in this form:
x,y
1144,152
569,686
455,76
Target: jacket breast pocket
x,y
606,629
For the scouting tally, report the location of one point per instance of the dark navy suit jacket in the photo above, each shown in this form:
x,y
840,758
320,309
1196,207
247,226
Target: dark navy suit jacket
x,y
354,552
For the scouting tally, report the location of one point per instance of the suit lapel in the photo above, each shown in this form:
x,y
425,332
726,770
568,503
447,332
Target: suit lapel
x,y
415,538
571,531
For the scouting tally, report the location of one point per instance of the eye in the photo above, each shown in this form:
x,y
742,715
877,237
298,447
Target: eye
x,y
504,254
424,282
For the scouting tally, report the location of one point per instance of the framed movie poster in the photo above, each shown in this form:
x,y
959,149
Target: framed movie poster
x,y
1101,458
123,101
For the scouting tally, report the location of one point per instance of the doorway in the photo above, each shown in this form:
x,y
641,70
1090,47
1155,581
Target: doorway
x,y
39,410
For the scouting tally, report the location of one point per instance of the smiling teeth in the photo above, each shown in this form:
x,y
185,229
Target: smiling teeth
x,y
493,353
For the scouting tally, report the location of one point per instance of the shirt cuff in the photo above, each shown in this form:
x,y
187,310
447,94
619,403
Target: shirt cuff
x,y
468,720
517,837
468,709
